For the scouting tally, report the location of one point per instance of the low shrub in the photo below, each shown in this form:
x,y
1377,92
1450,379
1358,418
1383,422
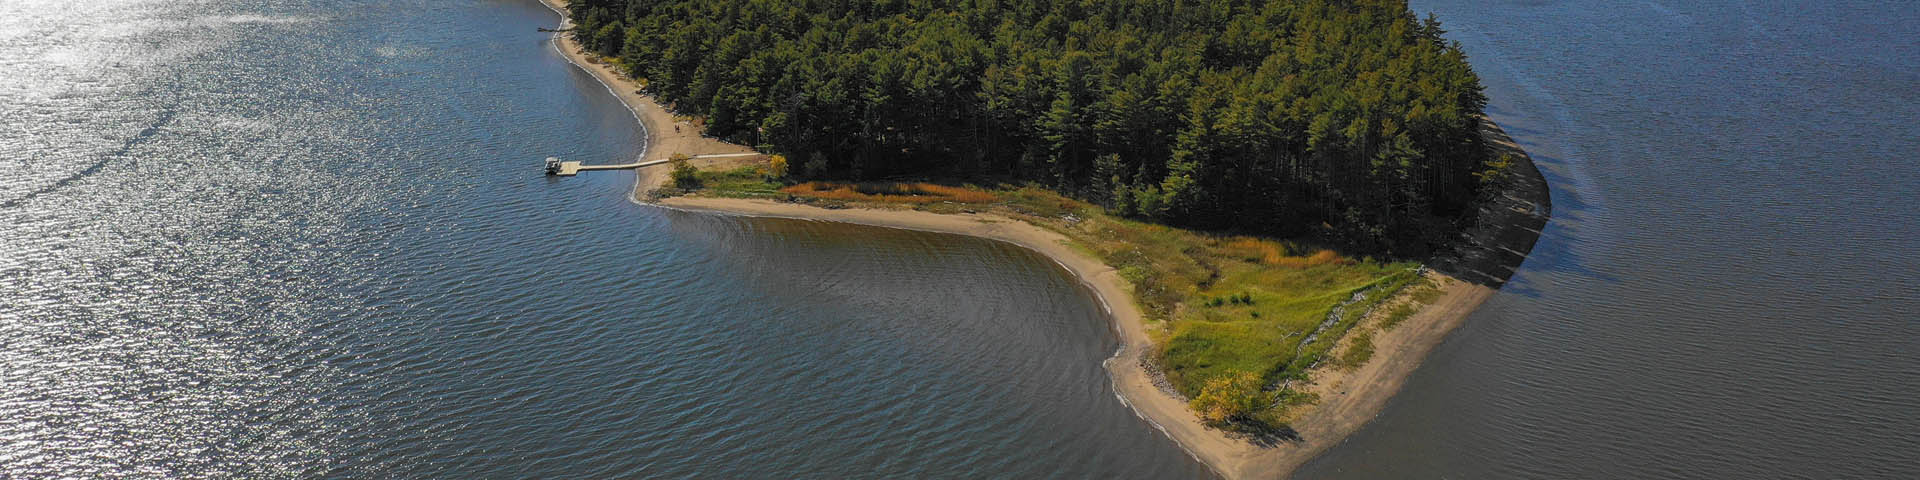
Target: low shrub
x,y
1230,398
685,176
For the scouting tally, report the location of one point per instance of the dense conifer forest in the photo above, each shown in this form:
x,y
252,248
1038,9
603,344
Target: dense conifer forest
x,y
1285,117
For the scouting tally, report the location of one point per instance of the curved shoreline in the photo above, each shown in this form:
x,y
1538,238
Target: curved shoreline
x,y
1131,383
665,134
1350,398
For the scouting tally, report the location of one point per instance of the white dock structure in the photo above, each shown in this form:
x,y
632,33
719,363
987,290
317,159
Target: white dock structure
x,y
558,167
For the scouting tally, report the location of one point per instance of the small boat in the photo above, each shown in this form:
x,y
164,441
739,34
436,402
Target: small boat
x,y
553,166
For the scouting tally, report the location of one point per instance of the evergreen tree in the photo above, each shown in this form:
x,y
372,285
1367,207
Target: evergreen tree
x,y
1275,116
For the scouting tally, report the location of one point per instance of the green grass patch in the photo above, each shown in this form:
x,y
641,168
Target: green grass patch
x,y
1420,293
1378,293
1359,350
1225,305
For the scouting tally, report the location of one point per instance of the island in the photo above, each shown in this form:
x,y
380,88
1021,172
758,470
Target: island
x,y
1283,205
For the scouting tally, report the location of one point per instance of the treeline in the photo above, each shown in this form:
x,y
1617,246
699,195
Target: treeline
x,y
1272,116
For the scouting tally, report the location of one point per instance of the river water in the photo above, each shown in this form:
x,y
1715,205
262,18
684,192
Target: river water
x,y
311,239
308,239
1730,287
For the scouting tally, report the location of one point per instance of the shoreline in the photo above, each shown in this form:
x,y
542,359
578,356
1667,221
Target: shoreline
x,y
1131,383
1510,222
1349,399
665,134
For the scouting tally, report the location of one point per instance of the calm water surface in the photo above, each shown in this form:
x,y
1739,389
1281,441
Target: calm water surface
x,y
299,239
1730,287
248,239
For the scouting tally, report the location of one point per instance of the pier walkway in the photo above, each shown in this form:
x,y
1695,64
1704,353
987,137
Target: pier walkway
x,y
568,169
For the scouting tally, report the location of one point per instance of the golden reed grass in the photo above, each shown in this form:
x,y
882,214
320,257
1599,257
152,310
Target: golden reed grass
x,y
890,192
1273,253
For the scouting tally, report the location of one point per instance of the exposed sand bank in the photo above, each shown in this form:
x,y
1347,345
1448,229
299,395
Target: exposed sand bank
x,y
1507,229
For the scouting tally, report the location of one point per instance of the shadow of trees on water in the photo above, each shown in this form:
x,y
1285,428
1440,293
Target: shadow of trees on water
x,y
1509,221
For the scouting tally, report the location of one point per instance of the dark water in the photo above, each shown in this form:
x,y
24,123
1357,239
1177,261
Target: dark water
x,y
1730,287
309,239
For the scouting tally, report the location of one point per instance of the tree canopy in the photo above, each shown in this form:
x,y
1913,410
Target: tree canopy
x,y
1270,116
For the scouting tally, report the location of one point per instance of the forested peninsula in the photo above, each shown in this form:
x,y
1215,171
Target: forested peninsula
x,y
1263,195
1343,119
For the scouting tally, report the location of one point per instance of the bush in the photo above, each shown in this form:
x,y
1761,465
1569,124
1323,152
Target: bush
x,y
685,176
1229,398
777,167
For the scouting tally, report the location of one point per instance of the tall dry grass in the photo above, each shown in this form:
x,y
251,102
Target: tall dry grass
x,y
890,192
1269,252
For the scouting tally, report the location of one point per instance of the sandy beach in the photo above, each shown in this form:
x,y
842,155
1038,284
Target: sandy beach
x,y
1348,399
666,135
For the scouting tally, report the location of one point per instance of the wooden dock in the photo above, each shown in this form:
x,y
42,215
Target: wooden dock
x,y
568,169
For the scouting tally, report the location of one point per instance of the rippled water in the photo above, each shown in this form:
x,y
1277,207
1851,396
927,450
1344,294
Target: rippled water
x,y
297,239
1730,287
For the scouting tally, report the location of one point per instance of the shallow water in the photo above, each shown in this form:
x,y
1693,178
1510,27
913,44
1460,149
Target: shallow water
x,y
1730,287
310,239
